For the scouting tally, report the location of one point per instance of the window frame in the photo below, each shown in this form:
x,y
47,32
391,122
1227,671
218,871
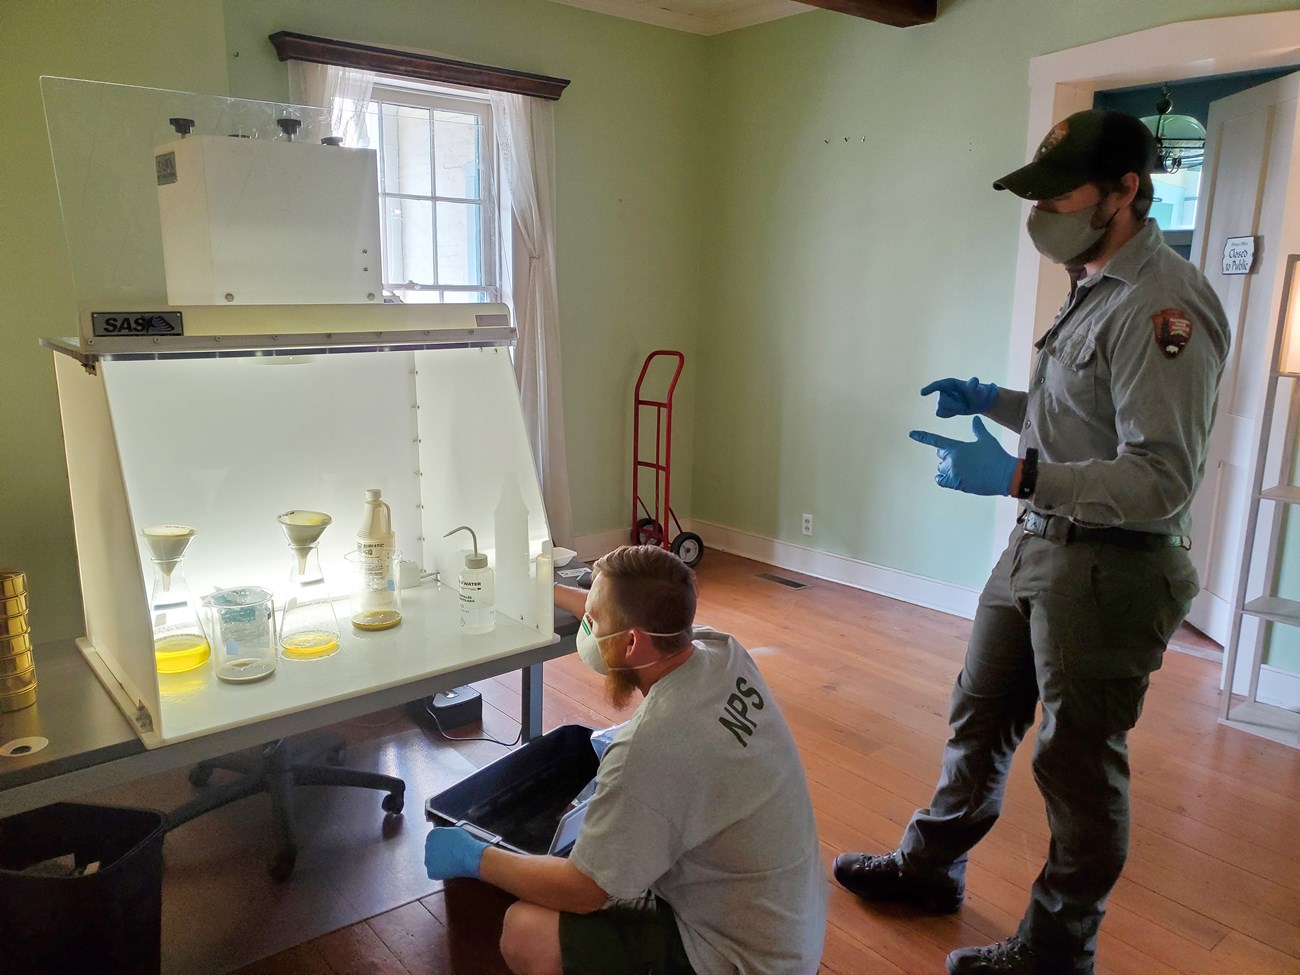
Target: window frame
x,y
388,90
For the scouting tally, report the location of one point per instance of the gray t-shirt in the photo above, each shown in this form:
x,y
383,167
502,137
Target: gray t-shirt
x,y
702,799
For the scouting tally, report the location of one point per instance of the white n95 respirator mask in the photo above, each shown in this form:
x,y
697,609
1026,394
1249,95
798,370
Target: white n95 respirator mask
x,y
589,647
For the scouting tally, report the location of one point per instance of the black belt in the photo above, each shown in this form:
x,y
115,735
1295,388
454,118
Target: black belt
x,y
1057,529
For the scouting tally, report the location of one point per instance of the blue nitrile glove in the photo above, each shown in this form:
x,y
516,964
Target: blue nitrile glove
x,y
976,467
449,852
961,398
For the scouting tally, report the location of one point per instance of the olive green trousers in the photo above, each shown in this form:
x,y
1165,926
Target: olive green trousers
x,y
1078,627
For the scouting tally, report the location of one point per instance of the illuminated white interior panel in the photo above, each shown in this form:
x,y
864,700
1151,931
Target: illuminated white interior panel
x,y
226,445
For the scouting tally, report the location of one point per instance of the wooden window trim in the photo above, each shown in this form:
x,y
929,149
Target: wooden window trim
x,y
406,64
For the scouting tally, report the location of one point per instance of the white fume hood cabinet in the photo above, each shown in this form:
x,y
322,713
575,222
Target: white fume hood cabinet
x,y
258,410
259,221
266,374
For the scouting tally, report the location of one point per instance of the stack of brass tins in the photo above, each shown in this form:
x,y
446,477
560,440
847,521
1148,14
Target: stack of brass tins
x,y
17,668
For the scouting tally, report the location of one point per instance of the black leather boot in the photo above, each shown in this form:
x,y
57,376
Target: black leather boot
x,y
1010,957
882,878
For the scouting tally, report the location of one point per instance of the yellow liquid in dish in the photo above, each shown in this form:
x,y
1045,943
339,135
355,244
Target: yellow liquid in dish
x,y
181,652
376,619
309,645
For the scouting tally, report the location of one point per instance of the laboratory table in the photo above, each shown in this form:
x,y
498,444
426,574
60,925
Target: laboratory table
x,y
92,745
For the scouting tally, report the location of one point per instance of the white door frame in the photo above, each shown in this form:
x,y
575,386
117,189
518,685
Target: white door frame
x,y
1065,82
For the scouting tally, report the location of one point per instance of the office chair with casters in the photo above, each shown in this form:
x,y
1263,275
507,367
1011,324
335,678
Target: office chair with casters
x,y
275,768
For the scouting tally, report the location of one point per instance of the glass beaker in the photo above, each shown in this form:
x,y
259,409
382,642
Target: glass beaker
x,y
376,594
179,641
309,630
242,624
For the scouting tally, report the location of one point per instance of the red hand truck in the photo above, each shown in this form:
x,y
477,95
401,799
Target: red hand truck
x,y
648,526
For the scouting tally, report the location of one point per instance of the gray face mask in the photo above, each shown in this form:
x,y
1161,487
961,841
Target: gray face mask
x,y
1062,237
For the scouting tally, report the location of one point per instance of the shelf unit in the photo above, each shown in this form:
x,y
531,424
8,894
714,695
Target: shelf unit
x,y
1257,607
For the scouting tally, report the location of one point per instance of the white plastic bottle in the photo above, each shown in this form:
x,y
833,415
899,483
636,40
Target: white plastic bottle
x,y
543,588
514,592
375,538
476,589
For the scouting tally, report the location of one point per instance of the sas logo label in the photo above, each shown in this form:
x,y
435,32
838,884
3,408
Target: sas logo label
x,y
105,324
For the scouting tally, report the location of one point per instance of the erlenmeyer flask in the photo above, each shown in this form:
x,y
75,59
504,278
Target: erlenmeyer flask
x,y
309,630
179,640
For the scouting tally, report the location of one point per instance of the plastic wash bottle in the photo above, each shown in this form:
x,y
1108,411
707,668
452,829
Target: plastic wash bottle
x,y
476,589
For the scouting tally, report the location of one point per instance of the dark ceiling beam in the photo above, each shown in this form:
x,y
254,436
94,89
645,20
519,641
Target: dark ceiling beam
x,y
405,64
895,13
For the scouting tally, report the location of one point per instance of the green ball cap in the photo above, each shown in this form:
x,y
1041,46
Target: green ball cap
x,y
1086,147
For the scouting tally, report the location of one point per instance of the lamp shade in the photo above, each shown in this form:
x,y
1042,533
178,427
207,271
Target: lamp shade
x,y
1180,140
1176,130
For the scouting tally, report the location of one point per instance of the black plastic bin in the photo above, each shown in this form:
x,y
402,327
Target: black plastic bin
x,y
106,923
520,798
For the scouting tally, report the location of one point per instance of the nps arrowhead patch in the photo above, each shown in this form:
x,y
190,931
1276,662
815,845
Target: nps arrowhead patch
x,y
1173,331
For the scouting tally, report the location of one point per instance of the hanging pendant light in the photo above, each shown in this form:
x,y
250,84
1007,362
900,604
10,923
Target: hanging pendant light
x,y
1180,139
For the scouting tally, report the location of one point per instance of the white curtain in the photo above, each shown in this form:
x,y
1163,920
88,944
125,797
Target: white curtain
x,y
525,136
345,92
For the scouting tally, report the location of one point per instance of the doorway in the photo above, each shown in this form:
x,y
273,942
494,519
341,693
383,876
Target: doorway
x,y
1070,81
1203,195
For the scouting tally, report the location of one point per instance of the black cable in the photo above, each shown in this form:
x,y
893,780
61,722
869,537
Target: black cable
x,y
496,741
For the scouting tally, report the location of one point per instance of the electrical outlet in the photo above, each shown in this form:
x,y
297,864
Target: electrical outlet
x,y
807,524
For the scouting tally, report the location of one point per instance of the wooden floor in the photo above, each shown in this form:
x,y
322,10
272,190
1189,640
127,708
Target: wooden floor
x,y
1213,879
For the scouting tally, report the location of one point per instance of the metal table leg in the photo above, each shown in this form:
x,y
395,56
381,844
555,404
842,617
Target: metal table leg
x,y
531,703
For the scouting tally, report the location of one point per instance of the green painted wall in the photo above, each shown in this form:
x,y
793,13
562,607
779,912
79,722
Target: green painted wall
x,y
856,250
140,42
630,161
802,207
630,157
1282,642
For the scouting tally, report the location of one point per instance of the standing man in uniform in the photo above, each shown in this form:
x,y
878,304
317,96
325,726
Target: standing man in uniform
x,y
698,853
1096,577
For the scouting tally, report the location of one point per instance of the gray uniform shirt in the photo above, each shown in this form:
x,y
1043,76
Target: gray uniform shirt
x,y
702,799
1122,427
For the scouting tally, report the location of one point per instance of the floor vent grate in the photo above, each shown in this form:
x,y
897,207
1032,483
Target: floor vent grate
x,y
782,581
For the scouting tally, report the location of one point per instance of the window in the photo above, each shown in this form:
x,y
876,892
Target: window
x,y
438,215
1176,195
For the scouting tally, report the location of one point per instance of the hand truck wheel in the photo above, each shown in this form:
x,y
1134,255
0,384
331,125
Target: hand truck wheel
x,y
689,547
648,532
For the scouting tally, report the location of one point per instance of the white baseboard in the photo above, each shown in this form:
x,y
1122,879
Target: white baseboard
x,y
884,581
879,579
1279,688
592,547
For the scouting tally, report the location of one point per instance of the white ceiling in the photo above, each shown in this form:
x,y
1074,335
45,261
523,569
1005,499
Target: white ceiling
x,y
695,16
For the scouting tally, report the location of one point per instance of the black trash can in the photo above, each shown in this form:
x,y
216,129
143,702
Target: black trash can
x,y
108,922
520,798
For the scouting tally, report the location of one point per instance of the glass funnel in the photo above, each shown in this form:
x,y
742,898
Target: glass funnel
x,y
180,642
309,629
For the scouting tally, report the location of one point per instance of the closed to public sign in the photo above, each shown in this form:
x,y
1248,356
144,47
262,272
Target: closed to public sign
x,y
1239,255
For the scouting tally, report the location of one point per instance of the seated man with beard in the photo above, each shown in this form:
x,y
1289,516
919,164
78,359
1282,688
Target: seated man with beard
x,y
698,853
